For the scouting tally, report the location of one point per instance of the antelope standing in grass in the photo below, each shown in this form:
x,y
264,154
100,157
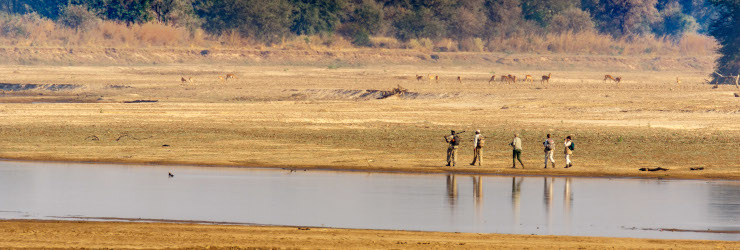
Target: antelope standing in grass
x,y
230,76
546,78
436,78
618,79
512,78
221,78
678,81
186,80
493,78
528,78
418,78
459,79
609,77
506,78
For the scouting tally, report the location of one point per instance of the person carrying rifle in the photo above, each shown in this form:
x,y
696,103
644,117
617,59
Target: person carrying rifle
x,y
454,142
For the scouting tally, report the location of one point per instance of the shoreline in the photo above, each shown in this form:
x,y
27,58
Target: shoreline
x,y
94,234
491,171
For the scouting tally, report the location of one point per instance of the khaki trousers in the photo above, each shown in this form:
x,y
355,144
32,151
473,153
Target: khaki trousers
x,y
451,155
477,157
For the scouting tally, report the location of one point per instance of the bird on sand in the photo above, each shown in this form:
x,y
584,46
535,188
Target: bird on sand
x,y
170,175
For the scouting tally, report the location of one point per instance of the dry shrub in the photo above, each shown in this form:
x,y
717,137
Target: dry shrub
x,y
695,44
385,42
155,34
33,30
445,45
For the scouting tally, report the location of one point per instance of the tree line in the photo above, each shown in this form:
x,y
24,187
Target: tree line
x,y
271,21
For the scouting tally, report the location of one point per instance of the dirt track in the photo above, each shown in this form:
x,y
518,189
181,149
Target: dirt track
x,y
60,234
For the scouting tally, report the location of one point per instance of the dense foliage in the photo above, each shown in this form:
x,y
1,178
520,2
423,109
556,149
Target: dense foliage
x,y
726,29
270,21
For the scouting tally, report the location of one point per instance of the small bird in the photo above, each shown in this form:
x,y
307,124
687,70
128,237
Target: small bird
x,y
170,175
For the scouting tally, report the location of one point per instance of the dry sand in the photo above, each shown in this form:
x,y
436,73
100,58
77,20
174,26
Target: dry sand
x,y
118,235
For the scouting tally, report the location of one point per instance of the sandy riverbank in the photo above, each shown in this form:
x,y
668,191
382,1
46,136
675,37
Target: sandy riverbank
x,y
70,234
331,118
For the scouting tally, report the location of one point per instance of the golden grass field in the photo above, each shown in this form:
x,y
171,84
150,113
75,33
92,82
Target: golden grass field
x,y
316,117
327,116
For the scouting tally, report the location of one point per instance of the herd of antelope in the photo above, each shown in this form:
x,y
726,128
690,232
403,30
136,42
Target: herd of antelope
x,y
527,78
504,78
220,78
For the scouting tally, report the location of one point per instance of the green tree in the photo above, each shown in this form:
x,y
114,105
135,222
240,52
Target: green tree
x,y
266,21
315,16
78,17
45,8
129,11
504,17
542,11
623,18
571,20
673,22
726,29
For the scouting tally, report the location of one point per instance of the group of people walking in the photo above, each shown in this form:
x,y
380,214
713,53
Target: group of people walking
x,y
516,144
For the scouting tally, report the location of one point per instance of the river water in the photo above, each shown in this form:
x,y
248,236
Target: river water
x,y
617,207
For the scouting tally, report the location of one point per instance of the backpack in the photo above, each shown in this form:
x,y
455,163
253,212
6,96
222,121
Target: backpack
x,y
572,146
548,146
455,140
481,142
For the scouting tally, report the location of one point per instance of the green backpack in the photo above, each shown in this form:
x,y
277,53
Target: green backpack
x,y
572,146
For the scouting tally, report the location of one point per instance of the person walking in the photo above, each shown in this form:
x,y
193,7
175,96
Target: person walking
x,y
549,152
516,145
569,147
454,141
477,146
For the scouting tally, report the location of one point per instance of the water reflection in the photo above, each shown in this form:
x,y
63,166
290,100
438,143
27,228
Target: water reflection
x,y
452,189
535,205
567,198
516,189
478,194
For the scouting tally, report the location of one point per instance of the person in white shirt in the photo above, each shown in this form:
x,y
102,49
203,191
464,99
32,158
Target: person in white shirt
x,y
477,146
549,152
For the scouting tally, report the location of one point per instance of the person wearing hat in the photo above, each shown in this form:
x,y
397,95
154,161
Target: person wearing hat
x,y
569,147
477,146
516,145
454,141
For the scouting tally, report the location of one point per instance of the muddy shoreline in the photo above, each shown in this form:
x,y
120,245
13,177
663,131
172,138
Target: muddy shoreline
x,y
493,171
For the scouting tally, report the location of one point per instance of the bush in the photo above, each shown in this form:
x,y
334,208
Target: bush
x,y
571,20
78,17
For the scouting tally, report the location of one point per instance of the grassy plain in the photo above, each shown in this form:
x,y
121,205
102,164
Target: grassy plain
x,y
324,117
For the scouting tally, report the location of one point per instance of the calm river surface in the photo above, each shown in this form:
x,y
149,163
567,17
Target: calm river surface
x,y
430,202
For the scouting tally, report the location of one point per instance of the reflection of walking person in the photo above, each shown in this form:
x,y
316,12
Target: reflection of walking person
x,y
569,147
516,145
549,145
477,146
454,141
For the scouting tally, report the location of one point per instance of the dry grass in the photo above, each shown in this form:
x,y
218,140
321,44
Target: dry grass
x,y
311,115
32,30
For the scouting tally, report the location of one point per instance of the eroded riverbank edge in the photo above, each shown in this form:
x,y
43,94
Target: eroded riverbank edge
x,y
91,234
404,169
